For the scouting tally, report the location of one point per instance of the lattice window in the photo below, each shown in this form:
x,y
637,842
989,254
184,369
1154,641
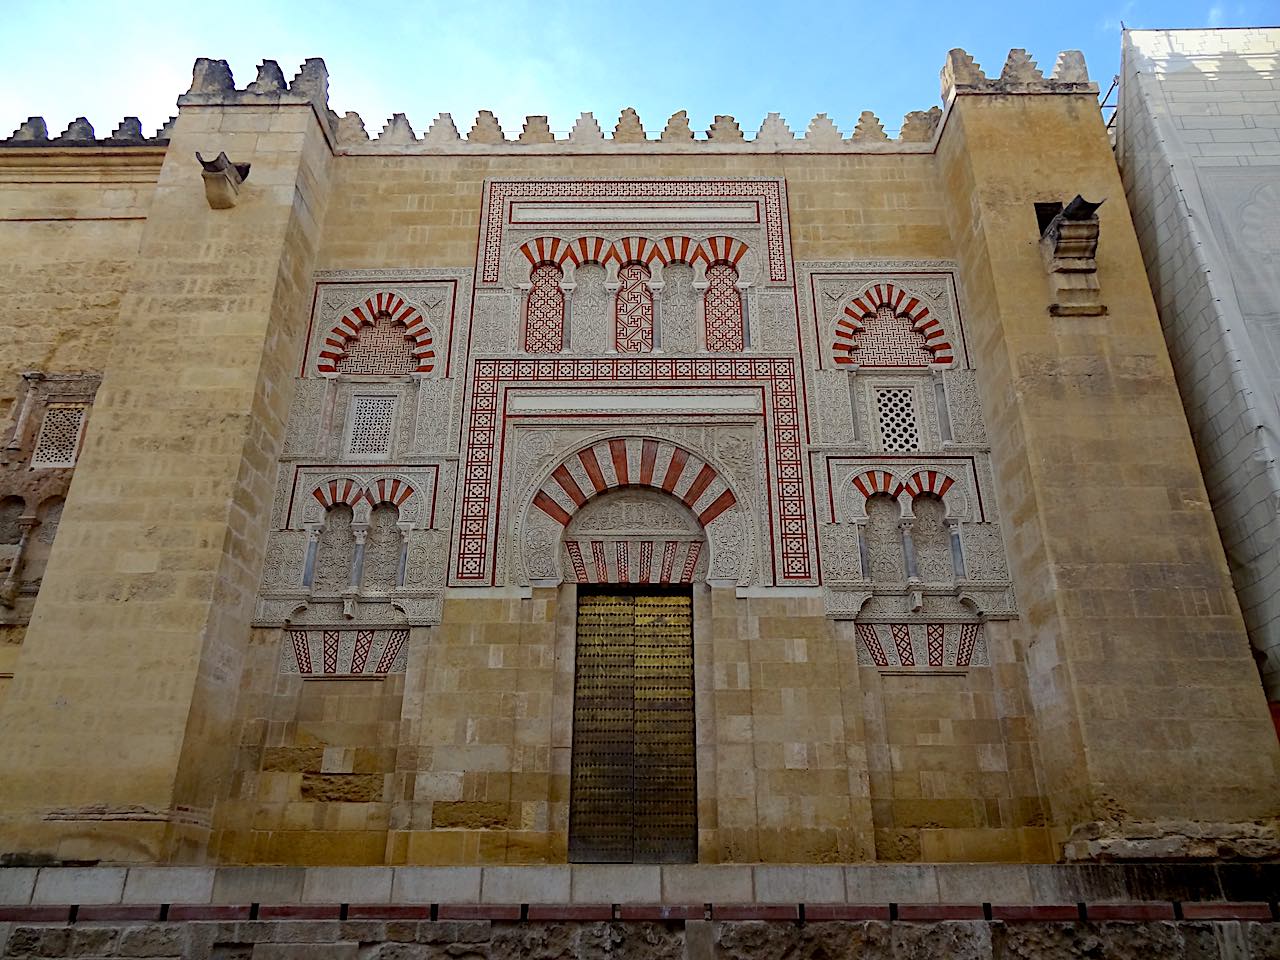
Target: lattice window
x,y
896,413
369,432
890,340
59,441
723,310
382,350
544,311
633,310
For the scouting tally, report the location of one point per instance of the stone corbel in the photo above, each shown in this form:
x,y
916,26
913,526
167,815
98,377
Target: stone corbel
x,y
222,180
1069,246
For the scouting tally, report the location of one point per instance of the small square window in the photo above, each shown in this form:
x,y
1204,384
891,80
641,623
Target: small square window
x,y
896,413
369,430
58,443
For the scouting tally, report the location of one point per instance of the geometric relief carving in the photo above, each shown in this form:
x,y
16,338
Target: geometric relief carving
x,y
384,336
544,311
679,309
477,541
884,326
380,349
590,306
897,645
633,317
883,314
964,407
343,653
984,553
302,437
835,412
386,323
884,540
723,310
765,199
335,552
382,550
633,536
932,539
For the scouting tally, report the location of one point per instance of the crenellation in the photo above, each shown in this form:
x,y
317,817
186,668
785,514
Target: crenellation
x,y
79,130
919,126
629,129
270,79
1020,75
34,130
211,77
1020,68
129,131
536,130
1070,68
213,83
823,132
312,81
869,128
586,130
442,131
774,131
486,129
725,128
961,72
677,129
350,129
397,131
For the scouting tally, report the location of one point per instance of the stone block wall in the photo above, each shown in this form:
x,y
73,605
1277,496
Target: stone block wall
x,y
1115,710
316,766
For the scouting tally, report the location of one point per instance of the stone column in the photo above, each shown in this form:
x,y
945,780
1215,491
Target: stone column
x,y
1148,707
117,738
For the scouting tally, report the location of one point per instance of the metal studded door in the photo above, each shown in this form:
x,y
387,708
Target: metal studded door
x,y
633,797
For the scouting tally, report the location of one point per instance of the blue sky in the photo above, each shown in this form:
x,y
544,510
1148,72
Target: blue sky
x,y
66,58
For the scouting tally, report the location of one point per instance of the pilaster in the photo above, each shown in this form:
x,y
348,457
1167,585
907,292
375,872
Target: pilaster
x,y
116,738
1152,726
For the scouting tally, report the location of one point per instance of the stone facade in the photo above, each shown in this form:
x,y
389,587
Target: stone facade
x,y
375,413
1198,140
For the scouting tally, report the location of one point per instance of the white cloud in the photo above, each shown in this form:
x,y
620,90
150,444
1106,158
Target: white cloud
x,y
1215,15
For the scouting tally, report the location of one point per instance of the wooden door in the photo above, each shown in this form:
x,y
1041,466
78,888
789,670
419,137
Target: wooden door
x,y
633,797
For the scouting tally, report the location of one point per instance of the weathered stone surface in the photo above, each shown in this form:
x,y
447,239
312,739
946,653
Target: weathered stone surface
x,y
153,940
1122,941
342,787
814,941
639,941
471,815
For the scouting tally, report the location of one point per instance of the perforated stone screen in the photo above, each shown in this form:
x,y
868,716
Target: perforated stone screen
x,y
59,440
369,434
896,412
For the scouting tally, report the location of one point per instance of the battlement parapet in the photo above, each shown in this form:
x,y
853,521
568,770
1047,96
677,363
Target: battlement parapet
x,y
212,84
961,74
80,133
